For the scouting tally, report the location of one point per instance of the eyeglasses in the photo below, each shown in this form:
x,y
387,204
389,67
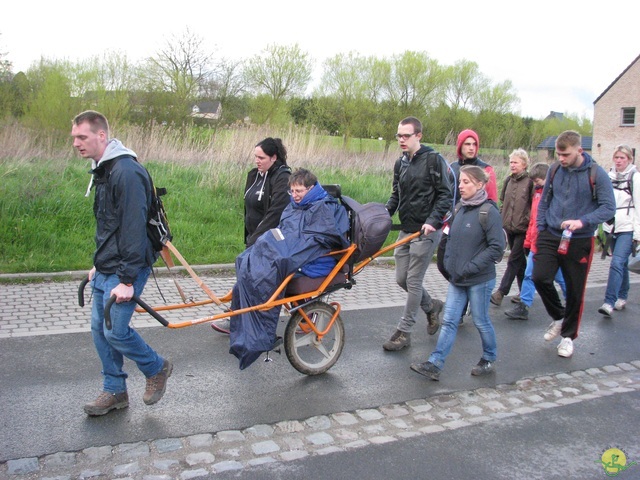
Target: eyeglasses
x,y
298,191
404,136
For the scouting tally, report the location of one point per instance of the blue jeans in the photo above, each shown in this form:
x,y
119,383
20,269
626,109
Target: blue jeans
x,y
529,289
122,340
478,296
412,260
618,282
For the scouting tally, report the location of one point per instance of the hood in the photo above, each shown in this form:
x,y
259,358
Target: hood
x,y
586,164
114,149
462,137
624,175
314,194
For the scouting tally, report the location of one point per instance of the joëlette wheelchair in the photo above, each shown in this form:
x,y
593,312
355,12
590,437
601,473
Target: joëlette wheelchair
x,y
314,335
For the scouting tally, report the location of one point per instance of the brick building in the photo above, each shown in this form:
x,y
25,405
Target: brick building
x,y
615,115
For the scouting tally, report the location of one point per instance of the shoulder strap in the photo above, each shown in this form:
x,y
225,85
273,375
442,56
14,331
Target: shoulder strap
x,y
592,179
482,214
552,173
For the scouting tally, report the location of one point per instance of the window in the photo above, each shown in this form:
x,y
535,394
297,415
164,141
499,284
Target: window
x,y
629,116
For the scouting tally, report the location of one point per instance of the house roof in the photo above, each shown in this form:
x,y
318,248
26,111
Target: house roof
x,y
207,106
549,143
617,78
552,115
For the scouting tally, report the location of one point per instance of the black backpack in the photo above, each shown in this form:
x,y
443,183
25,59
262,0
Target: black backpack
x,y
371,224
158,230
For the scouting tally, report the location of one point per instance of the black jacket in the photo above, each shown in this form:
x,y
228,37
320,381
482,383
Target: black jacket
x,y
121,203
276,198
422,191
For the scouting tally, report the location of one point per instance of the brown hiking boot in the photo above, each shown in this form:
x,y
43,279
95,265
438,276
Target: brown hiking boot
x,y
433,320
157,384
398,341
496,297
106,402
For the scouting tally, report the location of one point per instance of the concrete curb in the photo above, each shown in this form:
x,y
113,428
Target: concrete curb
x,y
214,269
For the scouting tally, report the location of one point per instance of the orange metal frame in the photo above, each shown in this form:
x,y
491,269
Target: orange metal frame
x,y
290,303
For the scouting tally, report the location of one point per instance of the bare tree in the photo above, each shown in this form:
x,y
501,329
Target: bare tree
x,y
5,67
180,68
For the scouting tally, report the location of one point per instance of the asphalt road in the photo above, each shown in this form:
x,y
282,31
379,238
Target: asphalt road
x,y
565,443
45,381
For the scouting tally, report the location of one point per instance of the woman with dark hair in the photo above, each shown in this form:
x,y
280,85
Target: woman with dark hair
x,y
472,250
266,191
266,194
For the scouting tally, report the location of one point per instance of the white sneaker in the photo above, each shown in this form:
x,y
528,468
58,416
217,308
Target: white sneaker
x,y
565,349
620,304
553,330
605,309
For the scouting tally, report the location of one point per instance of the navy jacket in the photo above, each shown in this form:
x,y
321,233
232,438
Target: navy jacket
x,y
571,198
305,232
471,254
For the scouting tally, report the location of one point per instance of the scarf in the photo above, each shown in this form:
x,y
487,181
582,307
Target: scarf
x,y
478,199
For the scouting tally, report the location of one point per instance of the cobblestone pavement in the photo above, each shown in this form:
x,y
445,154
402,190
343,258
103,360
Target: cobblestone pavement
x,y
51,308
201,455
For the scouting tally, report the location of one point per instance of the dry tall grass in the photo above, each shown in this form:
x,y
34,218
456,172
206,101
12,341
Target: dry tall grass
x,y
192,146
221,156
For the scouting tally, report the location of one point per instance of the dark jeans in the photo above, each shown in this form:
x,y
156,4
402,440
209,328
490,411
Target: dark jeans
x,y
516,263
575,267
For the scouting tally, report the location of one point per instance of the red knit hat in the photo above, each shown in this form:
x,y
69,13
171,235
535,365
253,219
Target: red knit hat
x,y
463,136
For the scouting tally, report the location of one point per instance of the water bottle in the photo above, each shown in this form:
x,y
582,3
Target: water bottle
x,y
564,242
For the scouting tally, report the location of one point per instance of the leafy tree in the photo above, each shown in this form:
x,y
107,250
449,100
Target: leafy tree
x,y
20,92
500,98
343,81
416,82
50,105
105,84
279,72
464,82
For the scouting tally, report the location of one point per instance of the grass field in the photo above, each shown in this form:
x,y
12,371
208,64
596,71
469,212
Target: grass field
x,y
48,224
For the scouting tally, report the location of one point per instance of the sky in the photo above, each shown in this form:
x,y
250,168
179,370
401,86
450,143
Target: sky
x,y
560,55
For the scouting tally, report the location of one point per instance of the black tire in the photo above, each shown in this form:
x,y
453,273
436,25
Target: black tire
x,y
305,352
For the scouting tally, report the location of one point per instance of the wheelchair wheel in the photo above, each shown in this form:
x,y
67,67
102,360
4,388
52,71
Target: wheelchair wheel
x,y
306,352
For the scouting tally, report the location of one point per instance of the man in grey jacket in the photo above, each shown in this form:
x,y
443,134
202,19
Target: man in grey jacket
x,y
122,262
422,195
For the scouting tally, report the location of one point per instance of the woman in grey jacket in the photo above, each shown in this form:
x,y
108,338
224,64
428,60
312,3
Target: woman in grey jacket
x,y
473,249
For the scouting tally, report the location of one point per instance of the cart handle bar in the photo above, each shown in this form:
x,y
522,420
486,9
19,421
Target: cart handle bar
x,y
139,301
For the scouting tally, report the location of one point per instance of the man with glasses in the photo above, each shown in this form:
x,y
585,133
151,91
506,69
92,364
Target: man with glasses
x,y
422,195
